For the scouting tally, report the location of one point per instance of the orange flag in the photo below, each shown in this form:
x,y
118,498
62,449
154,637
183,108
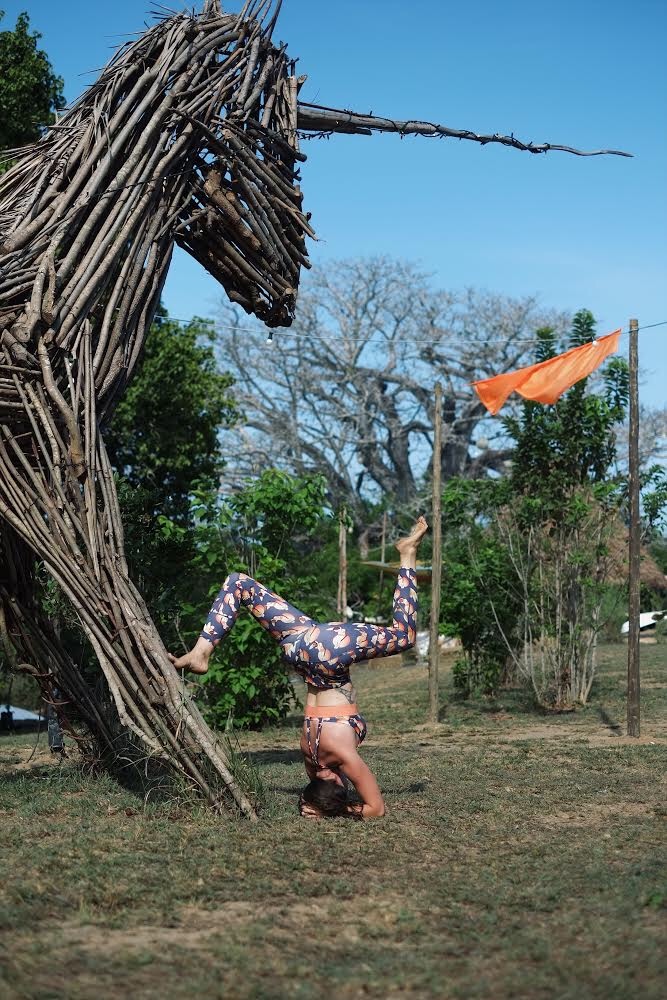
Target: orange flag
x,y
548,380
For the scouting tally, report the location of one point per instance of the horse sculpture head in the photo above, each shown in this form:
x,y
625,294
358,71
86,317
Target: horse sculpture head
x,y
189,136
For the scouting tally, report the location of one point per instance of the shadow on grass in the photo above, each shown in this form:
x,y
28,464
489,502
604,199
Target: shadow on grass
x,y
157,784
273,756
127,766
463,706
516,701
609,722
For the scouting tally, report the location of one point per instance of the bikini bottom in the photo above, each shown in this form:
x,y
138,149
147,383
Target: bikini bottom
x,y
344,715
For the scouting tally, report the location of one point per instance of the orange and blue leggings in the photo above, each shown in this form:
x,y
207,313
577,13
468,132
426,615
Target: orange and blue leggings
x,y
322,653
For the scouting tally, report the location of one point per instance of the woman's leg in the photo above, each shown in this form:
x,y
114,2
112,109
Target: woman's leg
x,y
331,645
274,614
344,644
350,643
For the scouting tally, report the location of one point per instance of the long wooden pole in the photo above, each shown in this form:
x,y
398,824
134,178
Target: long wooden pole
x,y
634,553
436,562
383,552
341,603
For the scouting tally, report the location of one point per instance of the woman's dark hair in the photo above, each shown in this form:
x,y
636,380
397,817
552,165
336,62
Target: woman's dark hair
x,y
327,796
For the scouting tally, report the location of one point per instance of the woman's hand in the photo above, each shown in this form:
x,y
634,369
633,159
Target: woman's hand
x,y
308,811
365,782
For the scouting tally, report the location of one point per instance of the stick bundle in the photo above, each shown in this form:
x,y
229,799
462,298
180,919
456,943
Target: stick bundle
x,y
188,136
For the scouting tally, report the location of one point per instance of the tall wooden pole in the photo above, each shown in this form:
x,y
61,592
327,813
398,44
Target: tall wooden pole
x,y
436,562
634,580
341,603
383,552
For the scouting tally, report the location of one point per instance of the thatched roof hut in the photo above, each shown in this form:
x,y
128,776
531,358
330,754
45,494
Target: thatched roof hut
x,y
650,573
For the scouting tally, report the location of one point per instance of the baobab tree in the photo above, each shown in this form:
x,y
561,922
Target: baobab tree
x,y
348,391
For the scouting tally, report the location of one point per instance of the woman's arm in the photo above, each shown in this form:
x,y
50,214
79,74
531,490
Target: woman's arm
x,y
366,785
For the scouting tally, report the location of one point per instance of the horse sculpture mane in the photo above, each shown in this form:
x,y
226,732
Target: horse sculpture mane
x,y
189,136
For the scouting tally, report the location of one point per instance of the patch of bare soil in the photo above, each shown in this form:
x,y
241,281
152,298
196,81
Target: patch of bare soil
x,y
133,961
597,737
193,927
23,758
598,815
438,738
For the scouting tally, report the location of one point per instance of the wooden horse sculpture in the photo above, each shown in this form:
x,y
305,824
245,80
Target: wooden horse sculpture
x,y
189,136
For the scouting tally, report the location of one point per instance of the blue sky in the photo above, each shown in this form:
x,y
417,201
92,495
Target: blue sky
x,y
577,232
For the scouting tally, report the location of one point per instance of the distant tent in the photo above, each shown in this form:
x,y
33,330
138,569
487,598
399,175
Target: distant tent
x,y
13,718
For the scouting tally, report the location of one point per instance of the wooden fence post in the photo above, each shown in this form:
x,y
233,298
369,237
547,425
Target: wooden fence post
x,y
436,561
634,542
341,602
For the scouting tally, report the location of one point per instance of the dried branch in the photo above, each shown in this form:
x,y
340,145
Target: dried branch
x,y
314,118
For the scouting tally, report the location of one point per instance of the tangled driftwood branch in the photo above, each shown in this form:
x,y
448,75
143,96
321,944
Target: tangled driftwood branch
x,y
189,136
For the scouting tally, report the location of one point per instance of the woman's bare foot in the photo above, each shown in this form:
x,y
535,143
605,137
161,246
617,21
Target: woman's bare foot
x,y
407,546
196,661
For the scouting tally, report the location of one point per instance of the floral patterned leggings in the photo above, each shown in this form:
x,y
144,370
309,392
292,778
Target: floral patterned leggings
x,y
321,653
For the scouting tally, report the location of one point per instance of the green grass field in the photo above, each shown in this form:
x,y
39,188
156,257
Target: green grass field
x,y
522,856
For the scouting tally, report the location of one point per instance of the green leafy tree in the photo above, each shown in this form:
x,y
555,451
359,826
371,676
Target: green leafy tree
x,y
30,91
553,518
479,603
163,444
183,538
659,551
163,437
561,448
268,529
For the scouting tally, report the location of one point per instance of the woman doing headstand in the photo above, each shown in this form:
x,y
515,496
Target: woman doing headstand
x,y
322,654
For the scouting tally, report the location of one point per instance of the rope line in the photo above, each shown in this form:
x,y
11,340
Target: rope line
x,y
360,340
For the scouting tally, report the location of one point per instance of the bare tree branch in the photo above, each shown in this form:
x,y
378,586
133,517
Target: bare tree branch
x,y
348,390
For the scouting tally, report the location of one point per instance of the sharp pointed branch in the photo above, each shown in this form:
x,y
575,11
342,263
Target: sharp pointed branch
x,y
314,118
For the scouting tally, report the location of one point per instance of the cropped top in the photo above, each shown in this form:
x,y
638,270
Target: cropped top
x,y
324,678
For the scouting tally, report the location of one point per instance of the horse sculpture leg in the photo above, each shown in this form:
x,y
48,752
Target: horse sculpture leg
x,y
57,493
